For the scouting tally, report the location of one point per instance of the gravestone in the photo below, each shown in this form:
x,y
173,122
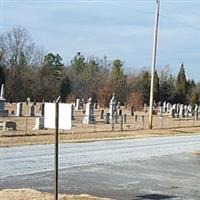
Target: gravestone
x,y
102,114
125,118
89,113
3,112
32,111
164,107
72,113
135,118
190,111
39,123
42,108
28,101
81,104
142,120
178,111
96,106
173,111
9,126
107,118
19,110
118,105
77,107
113,109
2,91
182,111
132,111
196,112
186,111
168,107
161,111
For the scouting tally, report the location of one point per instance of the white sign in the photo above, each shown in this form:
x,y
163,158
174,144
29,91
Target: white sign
x,y
65,115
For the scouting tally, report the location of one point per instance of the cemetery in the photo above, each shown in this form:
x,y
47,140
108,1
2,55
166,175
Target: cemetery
x,y
92,103
85,116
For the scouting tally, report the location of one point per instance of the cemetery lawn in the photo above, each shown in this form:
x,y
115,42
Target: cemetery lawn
x,y
31,139
30,194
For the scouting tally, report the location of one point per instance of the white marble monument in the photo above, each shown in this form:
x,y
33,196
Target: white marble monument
x,y
89,113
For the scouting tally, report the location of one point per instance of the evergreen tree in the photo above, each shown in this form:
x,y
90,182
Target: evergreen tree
x,y
167,89
78,63
118,81
181,86
65,88
156,87
54,62
142,85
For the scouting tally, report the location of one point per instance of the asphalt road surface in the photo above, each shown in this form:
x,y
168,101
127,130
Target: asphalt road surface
x,y
138,169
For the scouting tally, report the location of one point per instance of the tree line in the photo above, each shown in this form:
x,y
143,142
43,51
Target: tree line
x,y
27,71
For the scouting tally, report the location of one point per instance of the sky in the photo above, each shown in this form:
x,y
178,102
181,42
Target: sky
x,y
116,29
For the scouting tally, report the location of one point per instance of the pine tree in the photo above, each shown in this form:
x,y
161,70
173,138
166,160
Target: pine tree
x,y
54,62
118,81
181,86
156,87
65,88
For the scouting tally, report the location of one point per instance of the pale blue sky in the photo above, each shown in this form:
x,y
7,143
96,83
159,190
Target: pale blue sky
x,y
117,29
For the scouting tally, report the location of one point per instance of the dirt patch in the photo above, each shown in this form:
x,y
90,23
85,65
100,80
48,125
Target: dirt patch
x,y
30,194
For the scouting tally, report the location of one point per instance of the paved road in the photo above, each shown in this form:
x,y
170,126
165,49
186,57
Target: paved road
x,y
151,168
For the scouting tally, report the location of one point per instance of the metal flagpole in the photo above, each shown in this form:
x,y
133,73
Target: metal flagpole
x,y
155,41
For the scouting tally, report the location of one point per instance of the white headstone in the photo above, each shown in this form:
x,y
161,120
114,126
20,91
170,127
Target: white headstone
x,y
168,107
3,112
28,100
164,106
19,110
113,108
39,123
77,104
181,111
2,91
186,111
89,113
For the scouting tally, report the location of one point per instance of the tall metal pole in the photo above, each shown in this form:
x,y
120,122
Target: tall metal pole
x,y
56,150
155,41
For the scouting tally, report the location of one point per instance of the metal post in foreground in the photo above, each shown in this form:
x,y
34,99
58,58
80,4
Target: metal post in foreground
x,y
154,63
56,149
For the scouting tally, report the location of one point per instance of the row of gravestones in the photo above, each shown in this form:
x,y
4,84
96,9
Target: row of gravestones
x,y
111,116
80,104
164,107
31,112
185,111
179,110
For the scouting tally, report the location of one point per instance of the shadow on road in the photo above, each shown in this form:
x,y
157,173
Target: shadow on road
x,y
154,197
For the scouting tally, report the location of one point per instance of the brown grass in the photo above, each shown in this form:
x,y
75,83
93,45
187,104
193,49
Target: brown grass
x,y
85,137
